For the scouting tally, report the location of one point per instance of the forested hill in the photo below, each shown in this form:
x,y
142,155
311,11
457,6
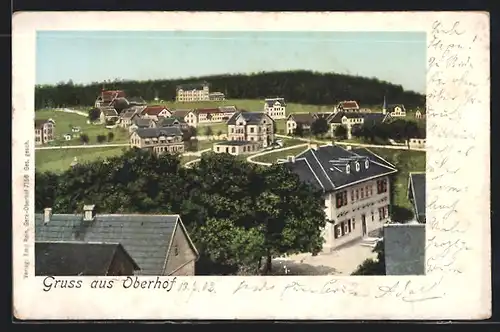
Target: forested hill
x,y
304,87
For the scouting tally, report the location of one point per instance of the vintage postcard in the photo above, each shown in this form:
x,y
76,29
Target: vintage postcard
x,y
239,165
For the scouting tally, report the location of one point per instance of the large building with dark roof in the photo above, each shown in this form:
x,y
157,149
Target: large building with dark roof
x,y
159,244
356,188
62,258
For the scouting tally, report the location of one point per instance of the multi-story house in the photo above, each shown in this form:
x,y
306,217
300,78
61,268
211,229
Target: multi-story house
x,y
44,131
420,114
108,97
275,108
347,106
303,120
193,92
194,117
208,115
156,111
251,126
356,188
416,195
159,244
216,96
159,140
108,114
128,117
350,119
396,111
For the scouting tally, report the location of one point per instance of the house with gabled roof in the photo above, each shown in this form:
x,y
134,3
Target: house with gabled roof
x,y
108,114
127,117
139,123
420,114
303,120
251,126
65,258
107,97
155,111
44,131
275,108
356,187
347,106
350,119
416,195
172,121
159,244
158,140
193,92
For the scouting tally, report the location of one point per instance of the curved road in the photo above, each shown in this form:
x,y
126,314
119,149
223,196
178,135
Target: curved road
x,y
250,158
362,145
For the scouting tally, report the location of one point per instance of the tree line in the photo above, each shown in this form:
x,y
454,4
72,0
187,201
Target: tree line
x,y
239,215
304,87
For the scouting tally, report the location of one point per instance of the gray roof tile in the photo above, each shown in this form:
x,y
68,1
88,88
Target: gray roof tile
x,y
327,165
76,258
145,237
416,187
251,118
157,132
404,249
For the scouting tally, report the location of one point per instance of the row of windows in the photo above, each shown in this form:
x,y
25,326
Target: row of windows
x,y
169,148
359,194
233,149
345,227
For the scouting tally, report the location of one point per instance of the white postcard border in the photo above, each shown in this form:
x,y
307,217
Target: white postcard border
x,y
458,228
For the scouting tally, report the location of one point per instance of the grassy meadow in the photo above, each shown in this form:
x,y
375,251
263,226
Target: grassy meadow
x,y
65,121
406,161
60,160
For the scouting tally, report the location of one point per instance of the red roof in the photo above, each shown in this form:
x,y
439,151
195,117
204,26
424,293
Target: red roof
x,y
208,110
111,94
154,110
349,104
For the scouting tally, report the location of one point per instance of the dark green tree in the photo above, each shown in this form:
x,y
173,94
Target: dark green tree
x,y
319,127
370,266
100,138
84,138
94,114
111,136
341,132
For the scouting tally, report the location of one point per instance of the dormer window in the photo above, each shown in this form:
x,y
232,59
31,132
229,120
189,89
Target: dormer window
x,y
348,169
367,164
357,167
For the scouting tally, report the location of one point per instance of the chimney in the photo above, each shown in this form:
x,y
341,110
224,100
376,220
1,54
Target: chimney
x,y
88,212
291,159
348,147
47,213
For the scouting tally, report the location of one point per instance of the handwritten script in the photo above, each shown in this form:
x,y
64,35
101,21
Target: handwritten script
x,y
451,99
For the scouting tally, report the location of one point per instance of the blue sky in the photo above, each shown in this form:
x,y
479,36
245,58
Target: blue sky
x,y
94,56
